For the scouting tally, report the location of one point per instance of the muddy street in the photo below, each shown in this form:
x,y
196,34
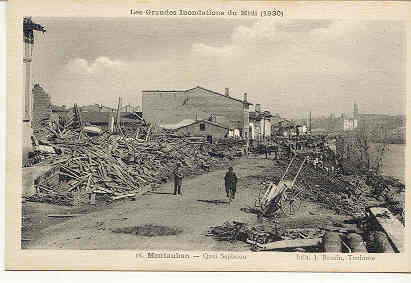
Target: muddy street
x,y
202,205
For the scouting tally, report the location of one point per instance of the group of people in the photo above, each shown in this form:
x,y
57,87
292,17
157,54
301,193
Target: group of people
x,y
279,151
230,181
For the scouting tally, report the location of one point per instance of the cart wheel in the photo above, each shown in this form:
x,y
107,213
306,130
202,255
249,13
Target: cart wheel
x,y
290,203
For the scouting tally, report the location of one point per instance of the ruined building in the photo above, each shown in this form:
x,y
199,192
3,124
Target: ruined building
x,y
173,106
41,105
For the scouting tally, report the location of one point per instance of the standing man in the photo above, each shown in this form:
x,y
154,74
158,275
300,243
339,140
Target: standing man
x,y
276,151
178,180
230,181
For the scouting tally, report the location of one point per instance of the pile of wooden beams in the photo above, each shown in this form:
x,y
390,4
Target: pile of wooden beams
x,y
119,166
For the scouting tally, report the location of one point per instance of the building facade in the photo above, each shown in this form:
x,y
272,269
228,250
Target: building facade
x,y
260,124
346,124
198,103
203,128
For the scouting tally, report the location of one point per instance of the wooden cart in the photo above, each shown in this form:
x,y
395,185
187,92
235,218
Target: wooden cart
x,y
284,195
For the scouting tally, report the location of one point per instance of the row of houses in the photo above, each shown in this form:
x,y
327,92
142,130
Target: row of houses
x,y
202,112
193,112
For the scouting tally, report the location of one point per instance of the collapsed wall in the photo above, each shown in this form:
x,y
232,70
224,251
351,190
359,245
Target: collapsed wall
x,y
41,106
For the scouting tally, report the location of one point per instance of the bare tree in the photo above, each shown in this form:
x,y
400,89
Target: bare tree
x,y
382,148
369,141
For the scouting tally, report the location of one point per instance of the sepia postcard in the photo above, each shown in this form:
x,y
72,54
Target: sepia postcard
x,y
221,136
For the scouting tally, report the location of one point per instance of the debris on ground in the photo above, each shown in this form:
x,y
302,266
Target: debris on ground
x,y
89,163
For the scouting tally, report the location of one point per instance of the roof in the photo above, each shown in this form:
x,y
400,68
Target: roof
x,y
203,121
199,87
180,124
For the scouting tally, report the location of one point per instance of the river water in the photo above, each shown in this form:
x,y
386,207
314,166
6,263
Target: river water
x,y
394,161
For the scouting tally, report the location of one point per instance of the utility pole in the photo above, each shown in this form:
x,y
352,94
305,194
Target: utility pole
x,y
310,122
28,37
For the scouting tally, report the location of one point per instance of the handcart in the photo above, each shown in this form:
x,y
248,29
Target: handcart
x,y
284,195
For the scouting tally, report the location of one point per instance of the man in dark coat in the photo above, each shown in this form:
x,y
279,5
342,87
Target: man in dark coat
x,y
230,180
275,149
178,180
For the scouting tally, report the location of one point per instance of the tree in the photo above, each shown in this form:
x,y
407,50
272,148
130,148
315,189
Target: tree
x,y
382,147
371,141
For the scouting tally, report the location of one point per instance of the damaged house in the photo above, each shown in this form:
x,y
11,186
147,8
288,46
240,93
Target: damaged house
x,y
198,104
105,120
260,124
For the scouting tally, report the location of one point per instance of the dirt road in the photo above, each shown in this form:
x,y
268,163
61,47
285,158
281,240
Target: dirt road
x,y
203,204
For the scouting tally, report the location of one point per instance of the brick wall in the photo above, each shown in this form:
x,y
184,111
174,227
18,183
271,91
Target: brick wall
x,y
171,107
41,105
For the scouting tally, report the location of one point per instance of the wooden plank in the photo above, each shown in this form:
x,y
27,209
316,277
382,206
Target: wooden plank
x,y
391,225
123,196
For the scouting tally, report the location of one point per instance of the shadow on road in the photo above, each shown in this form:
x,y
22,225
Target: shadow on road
x,y
160,193
216,201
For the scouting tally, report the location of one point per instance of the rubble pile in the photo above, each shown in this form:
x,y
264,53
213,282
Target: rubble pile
x,y
348,195
117,166
260,233
395,202
343,194
228,231
389,190
302,233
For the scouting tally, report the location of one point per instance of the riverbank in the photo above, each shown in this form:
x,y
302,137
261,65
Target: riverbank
x,y
393,163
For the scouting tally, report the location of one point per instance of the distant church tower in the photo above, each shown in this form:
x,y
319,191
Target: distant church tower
x,y
355,113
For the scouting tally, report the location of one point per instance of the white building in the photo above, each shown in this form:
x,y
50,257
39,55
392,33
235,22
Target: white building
x,y
260,124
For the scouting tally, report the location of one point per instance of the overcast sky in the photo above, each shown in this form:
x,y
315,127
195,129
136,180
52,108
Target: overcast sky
x,y
290,67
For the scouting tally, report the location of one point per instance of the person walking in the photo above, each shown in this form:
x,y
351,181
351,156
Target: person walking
x,y
230,181
178,180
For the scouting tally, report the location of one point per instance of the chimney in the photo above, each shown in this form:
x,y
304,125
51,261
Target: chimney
x,y
245,97
227,91
258,108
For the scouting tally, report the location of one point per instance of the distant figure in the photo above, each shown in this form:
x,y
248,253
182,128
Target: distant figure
x,y
247,148
178,180
275,148
288,151
230,181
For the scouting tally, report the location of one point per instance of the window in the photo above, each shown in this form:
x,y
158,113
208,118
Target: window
x,y
202,127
